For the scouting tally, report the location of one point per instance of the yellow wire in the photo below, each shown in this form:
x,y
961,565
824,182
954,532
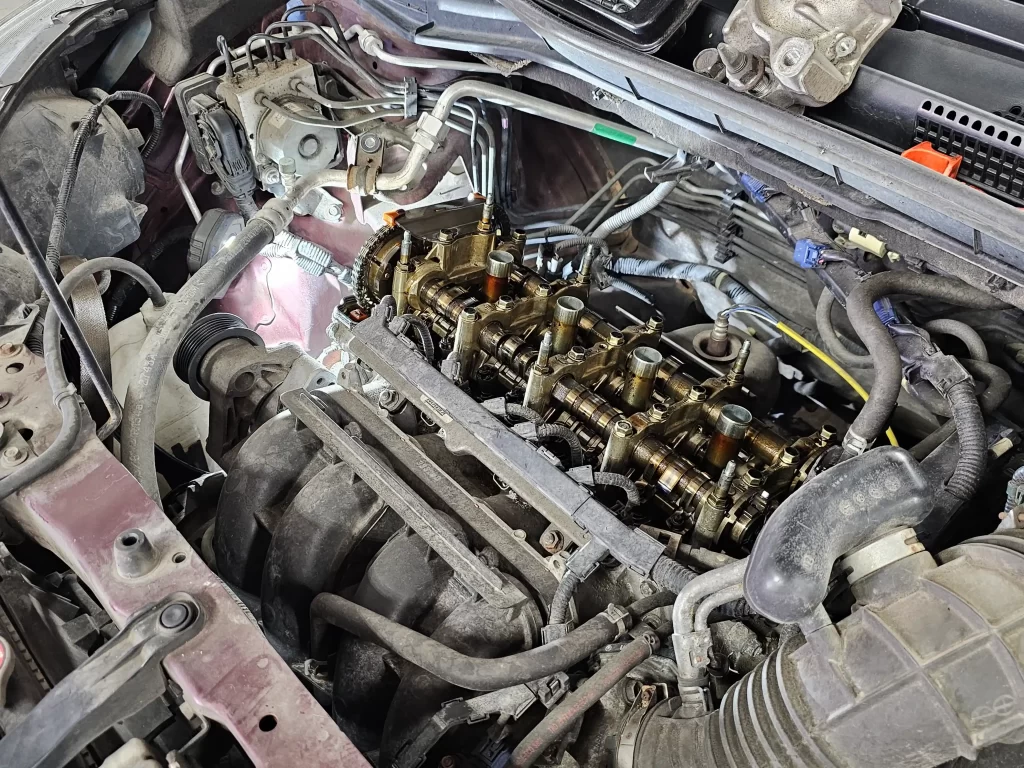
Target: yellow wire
x,y
821,355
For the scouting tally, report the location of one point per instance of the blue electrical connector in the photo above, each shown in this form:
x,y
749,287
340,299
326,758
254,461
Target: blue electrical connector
x,y
756,188
808,254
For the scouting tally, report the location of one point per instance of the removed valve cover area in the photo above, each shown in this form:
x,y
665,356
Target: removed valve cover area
x,y
560,384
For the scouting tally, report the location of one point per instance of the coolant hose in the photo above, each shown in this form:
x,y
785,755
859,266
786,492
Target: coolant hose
x,y
834,513
960,330
560,719
138,429
875,415
672,576
671,269
464,671
835,346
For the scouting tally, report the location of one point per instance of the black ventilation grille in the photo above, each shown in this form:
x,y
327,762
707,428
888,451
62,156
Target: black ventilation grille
x,y
992,151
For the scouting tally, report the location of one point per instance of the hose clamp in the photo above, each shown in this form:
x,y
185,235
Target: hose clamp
x,y
618,616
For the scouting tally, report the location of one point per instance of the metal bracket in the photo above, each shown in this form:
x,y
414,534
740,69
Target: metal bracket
x,y
469,428
120,679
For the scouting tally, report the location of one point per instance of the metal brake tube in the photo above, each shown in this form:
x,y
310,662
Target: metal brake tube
x,y
413,169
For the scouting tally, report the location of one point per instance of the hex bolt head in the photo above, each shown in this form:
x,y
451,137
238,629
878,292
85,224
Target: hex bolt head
x,y
616,339
709,64
543,291
698,393
789,457
551,541
175,616
658,413
370,142
827,433
216,189
577,355
13,455
7,349
623,428
505,302
655,324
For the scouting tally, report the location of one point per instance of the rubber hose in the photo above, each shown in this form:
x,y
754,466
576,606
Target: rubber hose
x,y
146,262
560,719
998,387
138,430
875,415
971,339
563,595
671,575
835,346
565,434
970,429
65,395
464,671
839,510
620,481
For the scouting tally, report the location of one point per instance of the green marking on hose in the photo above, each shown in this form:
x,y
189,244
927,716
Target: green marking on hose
x,y
614,134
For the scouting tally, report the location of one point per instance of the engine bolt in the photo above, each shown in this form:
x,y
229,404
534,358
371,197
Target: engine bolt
x,y
446,235
543,291
789,457
709,64
754,478
370,142
616,339
826,435
658,413
505,302
551,541
447,762
519,534
7,349
655,324
13,456
623,428
846,45
577,355
698,393
216,189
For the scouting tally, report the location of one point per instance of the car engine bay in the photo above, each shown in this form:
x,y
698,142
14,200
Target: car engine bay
x,y
509,383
